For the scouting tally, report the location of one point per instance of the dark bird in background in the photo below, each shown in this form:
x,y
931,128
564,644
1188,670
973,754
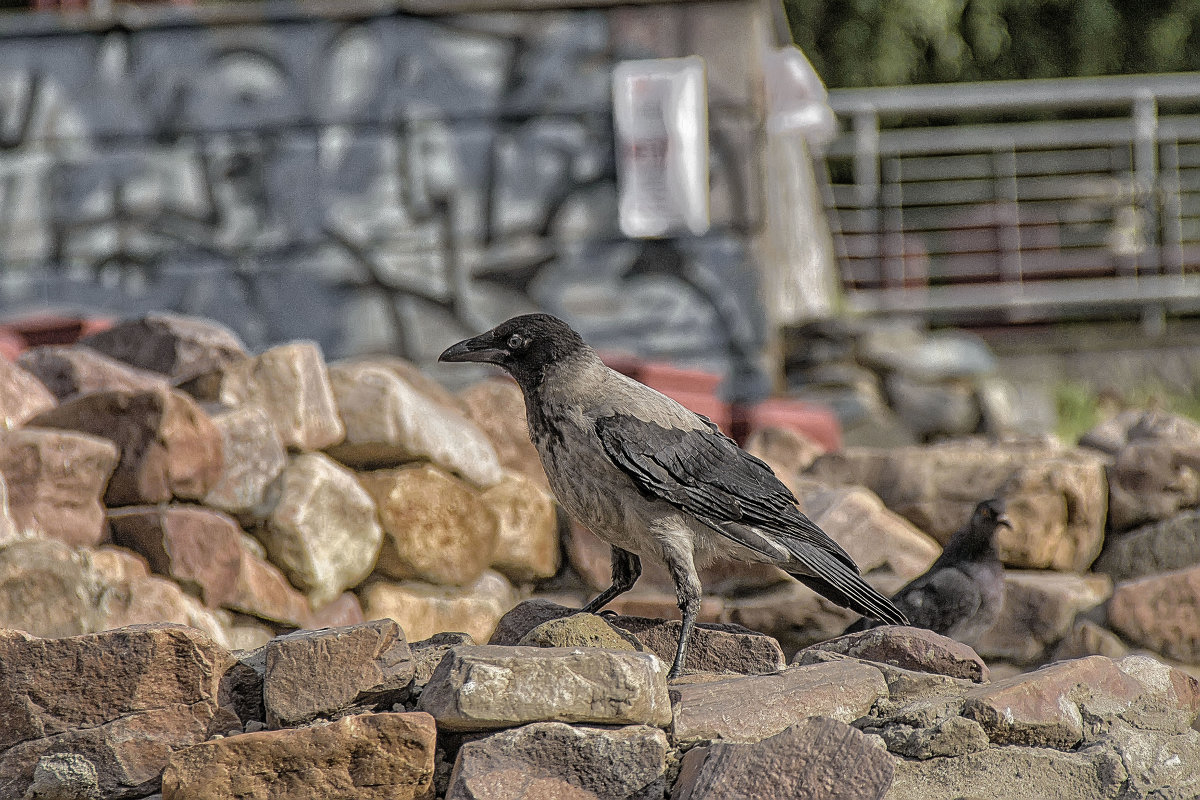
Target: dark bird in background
x,y
962,593
656,480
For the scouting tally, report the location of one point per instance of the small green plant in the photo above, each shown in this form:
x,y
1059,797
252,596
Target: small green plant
x,y
1078,409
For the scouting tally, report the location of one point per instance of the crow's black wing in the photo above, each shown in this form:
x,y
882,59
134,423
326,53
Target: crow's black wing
x,y
940,599
704,473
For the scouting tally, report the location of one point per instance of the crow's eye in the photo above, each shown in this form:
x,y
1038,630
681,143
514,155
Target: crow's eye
x,y
516,342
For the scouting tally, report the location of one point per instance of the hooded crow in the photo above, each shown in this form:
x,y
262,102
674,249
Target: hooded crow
x,y
656,480
961,594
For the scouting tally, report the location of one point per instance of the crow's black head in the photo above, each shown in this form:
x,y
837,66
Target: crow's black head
x,y
524,346
978,538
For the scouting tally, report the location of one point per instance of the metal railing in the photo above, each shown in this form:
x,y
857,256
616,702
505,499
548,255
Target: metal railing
x,y
1067,197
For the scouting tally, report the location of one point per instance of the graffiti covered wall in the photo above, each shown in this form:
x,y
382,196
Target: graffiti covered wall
x,y
372,179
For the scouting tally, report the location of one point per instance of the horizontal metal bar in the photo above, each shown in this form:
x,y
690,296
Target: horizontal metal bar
x,y
1057,93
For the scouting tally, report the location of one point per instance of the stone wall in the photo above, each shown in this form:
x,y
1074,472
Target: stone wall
x,y
363,173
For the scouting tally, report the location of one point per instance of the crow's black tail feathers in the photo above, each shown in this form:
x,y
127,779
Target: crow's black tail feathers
x,y
845,587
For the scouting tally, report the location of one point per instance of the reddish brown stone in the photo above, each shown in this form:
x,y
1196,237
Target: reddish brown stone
x,y
816,759
174,345
55,482
344,610
124,700
911,648
1160,612
311,674
205,550
169,446
1043,708
366,757
67,371
22,396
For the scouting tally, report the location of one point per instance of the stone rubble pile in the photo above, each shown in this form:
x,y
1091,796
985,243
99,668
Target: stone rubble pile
x,y
341,540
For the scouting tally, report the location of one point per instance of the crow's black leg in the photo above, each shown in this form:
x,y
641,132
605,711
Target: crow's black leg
x,y
626,568
687,591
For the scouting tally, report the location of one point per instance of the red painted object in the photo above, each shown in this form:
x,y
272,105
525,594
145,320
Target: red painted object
x,y
667,378
817,422
41,329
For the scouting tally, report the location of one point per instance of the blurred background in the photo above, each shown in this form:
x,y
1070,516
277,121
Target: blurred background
x,y
989,223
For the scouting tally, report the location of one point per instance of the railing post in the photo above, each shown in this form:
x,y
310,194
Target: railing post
x,y
1145,173
866,177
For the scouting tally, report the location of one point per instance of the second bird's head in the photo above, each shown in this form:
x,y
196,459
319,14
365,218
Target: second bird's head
x,y
523,346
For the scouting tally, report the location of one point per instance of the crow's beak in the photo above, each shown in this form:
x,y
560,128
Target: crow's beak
x,y
481,349
1004,520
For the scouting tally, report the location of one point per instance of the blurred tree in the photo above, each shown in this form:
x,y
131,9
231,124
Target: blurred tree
x,y
888,42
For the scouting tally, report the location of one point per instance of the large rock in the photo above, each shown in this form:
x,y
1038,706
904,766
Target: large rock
x,y
436,528
55,481
482,688
312,674
389,421
206,551
252,458
1160,612
1056,498
323,530
22,396
1012,773
944,408
365,757
1039,610
67,371
1070,702
550,759
1173,543
748,709
291,384
169,447
423,609
581,630
815,759
713,648
50,589
127,594
498,409
122,701
911,648
527,542
1155,469
177,346
885,546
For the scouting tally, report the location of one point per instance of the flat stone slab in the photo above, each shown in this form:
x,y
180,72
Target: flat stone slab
x,y
482,688
911,648
755,707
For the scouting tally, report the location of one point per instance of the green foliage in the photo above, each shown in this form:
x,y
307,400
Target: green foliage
x,y
890,42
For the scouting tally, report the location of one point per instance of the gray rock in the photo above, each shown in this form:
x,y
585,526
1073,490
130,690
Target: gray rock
x,y
1012,773
482,688
174,345
713,647
1163,546
550,759
816,759
934,409
428,653
64,776
954,736
1161,766
581,630
755,707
